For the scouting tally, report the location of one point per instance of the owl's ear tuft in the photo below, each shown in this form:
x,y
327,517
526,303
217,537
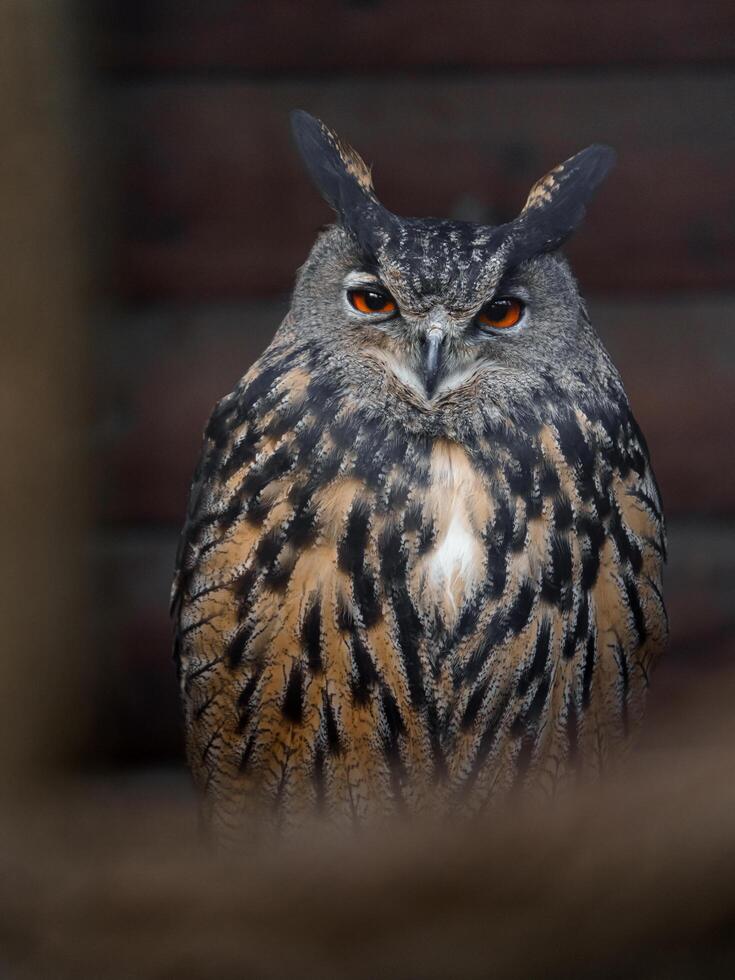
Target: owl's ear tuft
x,y
339,172
557,203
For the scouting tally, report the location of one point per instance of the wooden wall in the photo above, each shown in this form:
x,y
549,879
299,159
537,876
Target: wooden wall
x,y
460,107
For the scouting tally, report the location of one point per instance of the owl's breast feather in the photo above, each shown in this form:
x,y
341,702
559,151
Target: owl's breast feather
x,y
458,507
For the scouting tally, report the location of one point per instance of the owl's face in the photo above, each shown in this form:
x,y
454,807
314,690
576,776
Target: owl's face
x,y
438,303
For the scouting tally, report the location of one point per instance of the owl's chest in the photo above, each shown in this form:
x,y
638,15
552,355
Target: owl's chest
x,y
449,560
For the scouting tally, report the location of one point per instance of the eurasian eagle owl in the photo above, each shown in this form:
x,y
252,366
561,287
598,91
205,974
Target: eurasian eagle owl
x,y
422,559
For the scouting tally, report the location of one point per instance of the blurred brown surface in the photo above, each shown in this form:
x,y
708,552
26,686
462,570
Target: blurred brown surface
x,y
635,879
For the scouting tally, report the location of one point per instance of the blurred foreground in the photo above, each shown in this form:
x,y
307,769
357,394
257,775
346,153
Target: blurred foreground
x,y
635,878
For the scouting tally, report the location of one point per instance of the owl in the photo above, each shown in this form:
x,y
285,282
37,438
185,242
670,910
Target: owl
x,y
421,565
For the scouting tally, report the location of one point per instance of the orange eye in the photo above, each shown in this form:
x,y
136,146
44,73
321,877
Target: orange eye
x,y
371,301
500,313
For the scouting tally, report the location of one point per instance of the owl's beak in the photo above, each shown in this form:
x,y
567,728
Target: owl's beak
x,y
432,358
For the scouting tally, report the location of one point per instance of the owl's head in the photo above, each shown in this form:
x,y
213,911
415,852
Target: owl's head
x,y
435,301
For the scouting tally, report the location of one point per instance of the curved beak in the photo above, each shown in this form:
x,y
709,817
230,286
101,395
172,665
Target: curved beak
x,y
432,358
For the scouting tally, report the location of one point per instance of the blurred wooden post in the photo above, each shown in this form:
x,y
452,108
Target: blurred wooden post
x,y
42,363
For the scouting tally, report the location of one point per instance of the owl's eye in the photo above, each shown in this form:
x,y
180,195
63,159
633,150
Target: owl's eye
x,y
500,313
371,301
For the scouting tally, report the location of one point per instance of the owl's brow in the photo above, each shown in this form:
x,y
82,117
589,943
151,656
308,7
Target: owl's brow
x,y
360,277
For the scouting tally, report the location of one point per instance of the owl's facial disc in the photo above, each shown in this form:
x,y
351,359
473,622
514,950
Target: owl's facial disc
x,y
431,349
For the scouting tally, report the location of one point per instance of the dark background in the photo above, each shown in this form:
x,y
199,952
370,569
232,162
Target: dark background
x,y
204,213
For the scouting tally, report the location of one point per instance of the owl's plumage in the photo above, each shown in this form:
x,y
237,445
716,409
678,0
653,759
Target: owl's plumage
x,y
422,560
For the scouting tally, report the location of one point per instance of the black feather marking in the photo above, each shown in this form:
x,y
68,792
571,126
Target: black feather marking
x,y
395,726
344,431
365,674
548,479
577,451
292,707
258,510
474,703
409,630
520,533
307,438
634,603
557,573
497,572
264,384
577,632
334,743
539,700
311,636
393,555
220,422
285,419
427,537
242,453
243,589
276,465
235,652
398,494
569,646
493,636
627,548
329,466
590,568
500,532
520,609
525,720
322,396
563,513
490,733
413,517
269,547
467,620
303,527
244,701
519,474
594,533
367,598
540,659
278,575
354,542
